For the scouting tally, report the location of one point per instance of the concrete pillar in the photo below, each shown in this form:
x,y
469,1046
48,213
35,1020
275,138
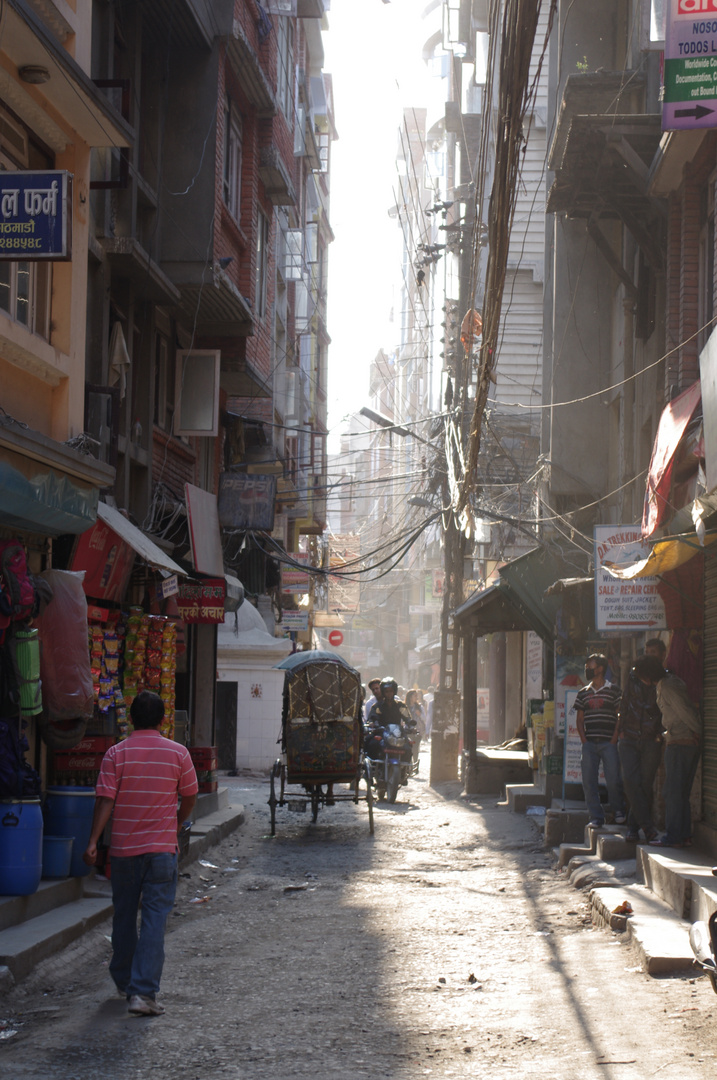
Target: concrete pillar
x,y
513,683
470,718
497,688
204,684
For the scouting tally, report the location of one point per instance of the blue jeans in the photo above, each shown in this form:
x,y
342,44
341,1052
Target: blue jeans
x,y
680,769
592,754
138,959
640,760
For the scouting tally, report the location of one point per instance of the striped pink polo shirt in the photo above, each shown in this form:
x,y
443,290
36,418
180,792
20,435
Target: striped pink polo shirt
x,y
144,775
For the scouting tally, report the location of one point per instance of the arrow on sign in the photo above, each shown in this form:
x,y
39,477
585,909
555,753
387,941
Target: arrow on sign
x,y
698,111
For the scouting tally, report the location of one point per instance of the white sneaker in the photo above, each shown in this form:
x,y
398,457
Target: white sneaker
x,y
144,1006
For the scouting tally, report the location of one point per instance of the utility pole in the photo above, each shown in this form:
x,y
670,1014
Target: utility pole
x,y
447,699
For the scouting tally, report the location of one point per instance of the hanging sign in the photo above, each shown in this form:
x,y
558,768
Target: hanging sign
x,y
35,215
295,621
293,579
690,92
169,587
623,606
202,601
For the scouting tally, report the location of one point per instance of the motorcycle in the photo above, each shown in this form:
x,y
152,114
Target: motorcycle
x,y
703,939
390,750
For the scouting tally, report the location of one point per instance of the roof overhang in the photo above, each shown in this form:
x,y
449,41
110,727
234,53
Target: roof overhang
x,y
68,100
518,600
127,256
274,175
248,70
211,301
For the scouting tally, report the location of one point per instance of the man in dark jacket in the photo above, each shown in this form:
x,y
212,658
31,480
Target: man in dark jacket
x,y
640,746
682,728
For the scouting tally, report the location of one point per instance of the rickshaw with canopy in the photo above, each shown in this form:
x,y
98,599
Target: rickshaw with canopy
x,y
321,736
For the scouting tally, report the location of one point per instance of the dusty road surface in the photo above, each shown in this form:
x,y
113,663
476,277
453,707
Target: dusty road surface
x,y
447,945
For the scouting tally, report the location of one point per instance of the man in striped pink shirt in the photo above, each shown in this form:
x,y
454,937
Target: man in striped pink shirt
x,y
140,783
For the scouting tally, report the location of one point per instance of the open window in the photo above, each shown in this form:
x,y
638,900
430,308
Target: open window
x,y
196,402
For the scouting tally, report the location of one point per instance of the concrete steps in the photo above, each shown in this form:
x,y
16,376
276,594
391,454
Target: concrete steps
x,y
37,926
667,888
660,938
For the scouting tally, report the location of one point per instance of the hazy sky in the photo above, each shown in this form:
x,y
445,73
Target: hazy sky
x,y
374,57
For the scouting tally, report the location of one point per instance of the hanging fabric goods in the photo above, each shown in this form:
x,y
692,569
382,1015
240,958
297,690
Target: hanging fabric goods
x,y
471,329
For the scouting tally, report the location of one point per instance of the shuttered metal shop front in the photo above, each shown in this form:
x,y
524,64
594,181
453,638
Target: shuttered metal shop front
x,y
709,754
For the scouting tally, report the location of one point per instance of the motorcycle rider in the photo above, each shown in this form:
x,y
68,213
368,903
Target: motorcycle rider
x,y
387,710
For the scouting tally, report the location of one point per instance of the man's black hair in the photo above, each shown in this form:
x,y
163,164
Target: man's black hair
x,y
650,668
656,643
147,711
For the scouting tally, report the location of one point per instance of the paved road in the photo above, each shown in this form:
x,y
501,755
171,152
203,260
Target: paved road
x,y
446,945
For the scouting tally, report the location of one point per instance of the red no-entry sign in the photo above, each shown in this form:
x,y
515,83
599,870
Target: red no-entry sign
x,y
335,637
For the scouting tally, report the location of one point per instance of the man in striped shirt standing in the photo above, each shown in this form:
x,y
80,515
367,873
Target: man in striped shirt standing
x,y
140,783
597,707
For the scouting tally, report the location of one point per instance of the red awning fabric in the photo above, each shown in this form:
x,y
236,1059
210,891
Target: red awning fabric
x,y
673,424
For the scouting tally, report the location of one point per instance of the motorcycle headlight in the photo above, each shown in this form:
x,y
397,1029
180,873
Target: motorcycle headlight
x,y
394,742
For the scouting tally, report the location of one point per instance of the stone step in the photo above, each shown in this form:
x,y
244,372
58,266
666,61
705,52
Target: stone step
x,y
24,945
681,878
27,941
659,936
50,894
520,796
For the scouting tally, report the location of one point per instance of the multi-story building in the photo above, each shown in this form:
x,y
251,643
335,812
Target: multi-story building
x,y
186,334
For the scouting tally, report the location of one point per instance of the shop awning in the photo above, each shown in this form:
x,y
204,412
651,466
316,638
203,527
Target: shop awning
x,y
47,487
518,601
140,544
666,555
491,611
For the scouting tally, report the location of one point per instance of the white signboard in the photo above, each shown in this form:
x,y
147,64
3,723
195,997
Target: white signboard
x,y
295,620
622,606
533,665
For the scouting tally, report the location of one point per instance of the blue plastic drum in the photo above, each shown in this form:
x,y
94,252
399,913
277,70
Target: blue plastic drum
x,y
68,812
20,846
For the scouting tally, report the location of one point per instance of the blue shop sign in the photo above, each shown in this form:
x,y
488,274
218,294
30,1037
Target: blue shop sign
x,y
35,212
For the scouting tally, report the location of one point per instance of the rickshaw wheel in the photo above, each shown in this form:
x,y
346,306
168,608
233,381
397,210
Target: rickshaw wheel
x,y
369,797
315,802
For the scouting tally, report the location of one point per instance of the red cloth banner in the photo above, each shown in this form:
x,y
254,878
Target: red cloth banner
x,y
673,424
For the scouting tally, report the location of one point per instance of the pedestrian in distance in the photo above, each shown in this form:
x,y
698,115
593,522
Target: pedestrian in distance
x,y
428,699
139,785
414,705
682,728
640,746
597,706
374,686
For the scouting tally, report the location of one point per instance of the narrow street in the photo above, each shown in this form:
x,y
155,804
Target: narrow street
x,y
446,945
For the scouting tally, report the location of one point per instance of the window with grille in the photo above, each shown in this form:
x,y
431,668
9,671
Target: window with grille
x,y
232,160
285,65
262,264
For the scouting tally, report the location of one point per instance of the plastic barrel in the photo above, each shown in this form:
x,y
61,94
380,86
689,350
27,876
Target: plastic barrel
x,y
28,664
56,856
20,846
68,812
